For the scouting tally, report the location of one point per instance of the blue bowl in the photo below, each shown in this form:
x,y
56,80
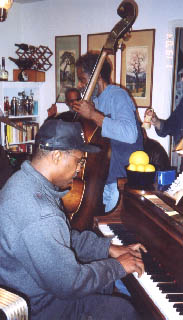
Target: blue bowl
x,y
140,180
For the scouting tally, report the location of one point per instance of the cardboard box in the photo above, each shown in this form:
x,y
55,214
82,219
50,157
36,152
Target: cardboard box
x,y
33,75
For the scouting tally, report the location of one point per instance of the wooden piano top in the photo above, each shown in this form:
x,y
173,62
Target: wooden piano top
x,y
114,216
159,231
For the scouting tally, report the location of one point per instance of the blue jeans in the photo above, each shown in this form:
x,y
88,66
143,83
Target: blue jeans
x,y
96,306
110,199
110,196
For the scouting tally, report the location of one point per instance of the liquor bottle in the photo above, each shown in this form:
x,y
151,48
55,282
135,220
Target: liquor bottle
x,y
14,106
3,71
6,107
26,106
25,47
23,63
31,105
20,109
32,48
22,46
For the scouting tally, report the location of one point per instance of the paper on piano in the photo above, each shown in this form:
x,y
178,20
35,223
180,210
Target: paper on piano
x,y
178,196
176,189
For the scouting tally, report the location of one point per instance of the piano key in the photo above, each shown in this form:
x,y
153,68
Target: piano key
x,y
178,306
173,297
166,307
159,299
160,278
169,288
179,309
105,229
128,237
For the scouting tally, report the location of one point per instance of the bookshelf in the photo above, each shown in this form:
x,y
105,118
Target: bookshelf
x,y
17,140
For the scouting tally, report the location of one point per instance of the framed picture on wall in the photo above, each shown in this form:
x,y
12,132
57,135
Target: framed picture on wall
x,y
137,60
95,42
177,90
67,51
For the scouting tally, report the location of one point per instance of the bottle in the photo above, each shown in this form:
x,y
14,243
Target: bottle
x,y
14,106
26,106
4,72
147,120
32,48
31,105
20,111
19,107
23,63
35,109
6,106
22,46
25,47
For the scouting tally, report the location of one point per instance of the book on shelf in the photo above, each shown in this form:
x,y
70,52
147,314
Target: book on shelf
x,y
14,136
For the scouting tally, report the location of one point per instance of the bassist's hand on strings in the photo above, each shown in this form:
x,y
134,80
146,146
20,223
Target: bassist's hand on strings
x,y
87,110
84,108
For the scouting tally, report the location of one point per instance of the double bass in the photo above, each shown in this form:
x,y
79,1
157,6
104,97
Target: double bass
x,y
84,201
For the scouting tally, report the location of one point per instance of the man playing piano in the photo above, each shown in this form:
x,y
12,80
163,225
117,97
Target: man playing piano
x,y
64,273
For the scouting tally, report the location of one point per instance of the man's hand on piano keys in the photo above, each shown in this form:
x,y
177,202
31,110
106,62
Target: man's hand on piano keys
x,y
115,250
129,257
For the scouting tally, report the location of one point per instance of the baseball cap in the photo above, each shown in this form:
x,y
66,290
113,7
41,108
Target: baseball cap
x,y
61,135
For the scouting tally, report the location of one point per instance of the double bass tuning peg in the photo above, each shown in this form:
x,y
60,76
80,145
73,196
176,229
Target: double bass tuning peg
x,y
127,35
121,46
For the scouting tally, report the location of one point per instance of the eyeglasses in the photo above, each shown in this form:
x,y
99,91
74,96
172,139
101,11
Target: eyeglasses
x,y
81,161
72,100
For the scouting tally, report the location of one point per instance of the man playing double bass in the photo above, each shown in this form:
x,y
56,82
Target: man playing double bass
x,y
113,110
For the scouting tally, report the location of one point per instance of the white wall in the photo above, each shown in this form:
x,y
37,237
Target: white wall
x,y
10,32
39,23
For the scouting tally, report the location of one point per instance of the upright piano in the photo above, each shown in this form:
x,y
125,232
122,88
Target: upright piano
x,y
152,218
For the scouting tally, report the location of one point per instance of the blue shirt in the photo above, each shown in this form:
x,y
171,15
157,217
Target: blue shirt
x,y
121,126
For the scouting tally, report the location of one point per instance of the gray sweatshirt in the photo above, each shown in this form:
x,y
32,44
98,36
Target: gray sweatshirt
x,y
40,255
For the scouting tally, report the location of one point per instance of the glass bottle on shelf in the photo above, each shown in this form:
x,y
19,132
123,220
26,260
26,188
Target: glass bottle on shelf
x,y
19,107
31,105
14,106
26,106
21,102
6,106
3,71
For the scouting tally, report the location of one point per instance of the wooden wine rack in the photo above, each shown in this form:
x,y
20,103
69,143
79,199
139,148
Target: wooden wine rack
x,y
40,55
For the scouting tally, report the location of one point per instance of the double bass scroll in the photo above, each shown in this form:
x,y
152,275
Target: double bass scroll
x,y
127,11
